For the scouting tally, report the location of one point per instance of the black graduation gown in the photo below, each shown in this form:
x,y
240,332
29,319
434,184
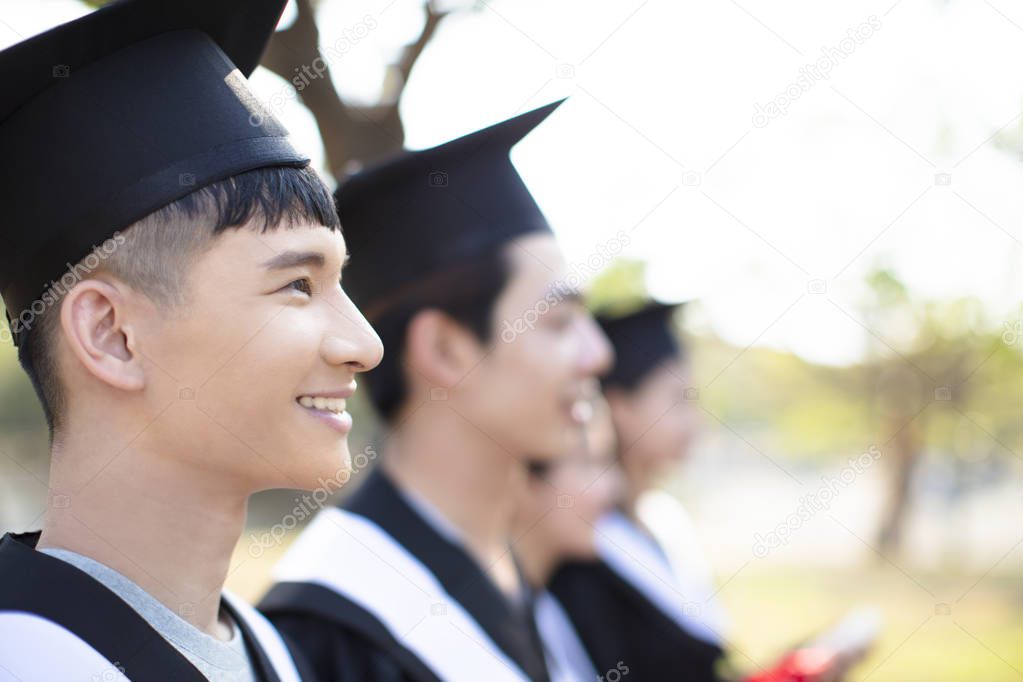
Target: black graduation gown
x,y
618,625
81,620
343,640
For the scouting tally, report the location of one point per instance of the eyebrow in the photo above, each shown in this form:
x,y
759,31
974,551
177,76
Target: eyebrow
x,y
294,259
574,296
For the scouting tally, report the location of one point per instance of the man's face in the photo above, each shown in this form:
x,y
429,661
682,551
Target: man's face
x,y
656,422
562,506
545,349
249,377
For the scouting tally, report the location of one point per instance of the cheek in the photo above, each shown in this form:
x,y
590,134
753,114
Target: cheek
x,y
682,426
282,341
524,369
546,360
211,336
264,366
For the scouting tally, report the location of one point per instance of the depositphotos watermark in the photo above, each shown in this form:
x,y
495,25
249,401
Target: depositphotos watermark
x,y
307,505
112,673
614,674
569,285
74,274
811,74
317,69
809,505
1013,332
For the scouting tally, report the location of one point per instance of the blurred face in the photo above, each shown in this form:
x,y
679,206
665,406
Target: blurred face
x,y
528,389
655,422
250,377
562,505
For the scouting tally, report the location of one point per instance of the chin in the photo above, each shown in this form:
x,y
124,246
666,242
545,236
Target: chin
x,y
587,551
335,470
313,467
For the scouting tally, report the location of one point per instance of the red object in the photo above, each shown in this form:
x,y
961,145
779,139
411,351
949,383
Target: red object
x,y
801,665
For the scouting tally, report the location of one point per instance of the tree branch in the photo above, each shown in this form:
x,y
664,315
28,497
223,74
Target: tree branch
x,y
352,135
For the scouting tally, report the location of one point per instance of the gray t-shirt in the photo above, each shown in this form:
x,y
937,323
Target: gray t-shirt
x,y
217,660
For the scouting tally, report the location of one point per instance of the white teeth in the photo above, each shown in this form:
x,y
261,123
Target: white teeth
x,y
336,405
582,411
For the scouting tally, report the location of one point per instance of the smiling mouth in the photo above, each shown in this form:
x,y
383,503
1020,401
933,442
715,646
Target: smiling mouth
x,y
580,410
312,402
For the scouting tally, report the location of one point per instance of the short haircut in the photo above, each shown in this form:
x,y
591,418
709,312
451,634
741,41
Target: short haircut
x,y
467,293
156,252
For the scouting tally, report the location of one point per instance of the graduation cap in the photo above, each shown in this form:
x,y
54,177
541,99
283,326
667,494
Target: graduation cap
x,y
642,340
108,118
428,210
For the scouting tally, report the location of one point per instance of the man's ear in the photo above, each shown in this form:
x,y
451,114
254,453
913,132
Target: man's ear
x,y
93,320
439,349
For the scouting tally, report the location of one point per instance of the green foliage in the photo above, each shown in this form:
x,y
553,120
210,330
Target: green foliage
x,y
944,365
620,288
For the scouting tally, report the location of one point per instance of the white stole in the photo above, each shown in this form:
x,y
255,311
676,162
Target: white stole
x,y
267,637
668,571
566,655
352,556
34,649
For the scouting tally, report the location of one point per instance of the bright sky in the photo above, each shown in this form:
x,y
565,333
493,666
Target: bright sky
x,y
658,140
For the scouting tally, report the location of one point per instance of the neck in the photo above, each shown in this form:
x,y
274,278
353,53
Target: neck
x,y
628,505
635,484
470,480
149,517
537,562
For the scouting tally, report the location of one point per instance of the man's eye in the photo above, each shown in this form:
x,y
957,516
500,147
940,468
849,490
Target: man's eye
x,y
561,320
303,285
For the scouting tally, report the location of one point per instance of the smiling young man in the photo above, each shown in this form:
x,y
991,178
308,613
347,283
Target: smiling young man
x,y
202,352
413,578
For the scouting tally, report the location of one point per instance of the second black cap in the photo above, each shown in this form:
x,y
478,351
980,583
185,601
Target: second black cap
x,y
427,210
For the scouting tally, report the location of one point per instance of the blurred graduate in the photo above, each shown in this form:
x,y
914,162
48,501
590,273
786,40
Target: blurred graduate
x,y
412,578
562,503
170,270
649,602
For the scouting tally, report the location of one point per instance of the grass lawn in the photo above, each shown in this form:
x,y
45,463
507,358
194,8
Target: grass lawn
x,y
938,628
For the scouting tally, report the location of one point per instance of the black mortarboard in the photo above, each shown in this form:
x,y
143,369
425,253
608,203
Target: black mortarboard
x,y
642,341
108,118
427,210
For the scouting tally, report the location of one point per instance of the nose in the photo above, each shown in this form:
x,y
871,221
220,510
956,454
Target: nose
x,y
351,340
597,355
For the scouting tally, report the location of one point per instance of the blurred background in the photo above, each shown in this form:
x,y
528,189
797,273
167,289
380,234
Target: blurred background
x,y
836,187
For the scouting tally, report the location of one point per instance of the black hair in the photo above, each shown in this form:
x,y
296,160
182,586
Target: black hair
x,y
629,376
264,199
466,293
